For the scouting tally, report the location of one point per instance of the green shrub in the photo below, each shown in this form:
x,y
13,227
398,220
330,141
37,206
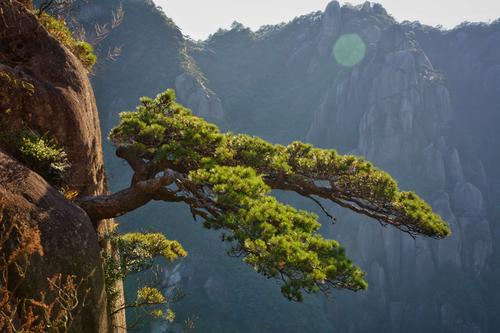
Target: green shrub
x,y
85,53
58,29
15,83
43,156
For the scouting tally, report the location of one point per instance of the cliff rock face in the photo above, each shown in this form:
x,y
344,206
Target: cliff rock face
x,y
400,107
197,97
68,239
473,80
61,105
62,102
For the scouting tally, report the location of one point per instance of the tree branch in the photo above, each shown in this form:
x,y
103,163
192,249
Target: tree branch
x,y
130,155
122,202
307,189
330,216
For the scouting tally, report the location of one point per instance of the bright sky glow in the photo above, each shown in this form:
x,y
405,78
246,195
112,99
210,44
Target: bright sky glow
x,y
199,18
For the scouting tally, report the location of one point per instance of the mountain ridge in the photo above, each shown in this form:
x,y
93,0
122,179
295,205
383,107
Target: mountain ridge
x,y
397,106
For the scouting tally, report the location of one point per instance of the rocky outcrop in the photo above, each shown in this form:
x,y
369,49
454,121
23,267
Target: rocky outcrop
x,y
197,97
472,78
68,239
61,104
331,25
45,88
399,105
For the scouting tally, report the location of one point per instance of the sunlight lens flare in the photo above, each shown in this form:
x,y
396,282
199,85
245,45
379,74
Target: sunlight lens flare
x,y
349,50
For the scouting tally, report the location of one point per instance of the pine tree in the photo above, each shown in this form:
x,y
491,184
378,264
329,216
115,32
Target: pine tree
x,y
226,180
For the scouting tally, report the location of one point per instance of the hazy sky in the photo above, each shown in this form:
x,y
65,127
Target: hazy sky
x,y
199,18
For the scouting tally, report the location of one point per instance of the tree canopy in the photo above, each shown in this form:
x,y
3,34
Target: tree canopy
x,y
226,180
